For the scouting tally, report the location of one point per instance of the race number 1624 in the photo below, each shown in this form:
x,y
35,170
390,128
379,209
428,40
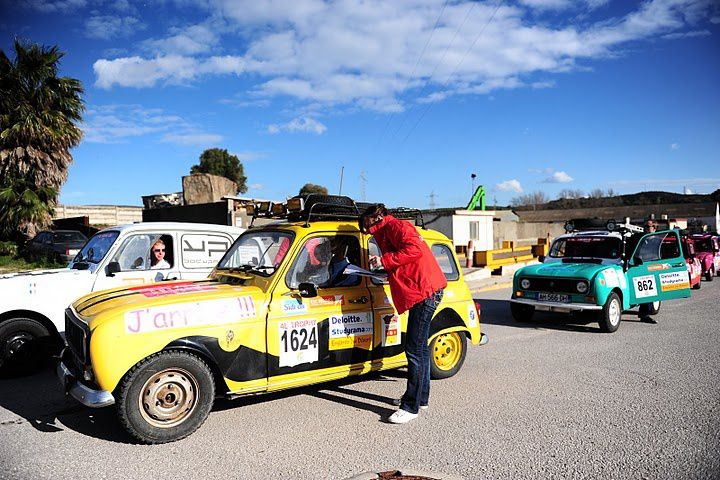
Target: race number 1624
x,y
298,342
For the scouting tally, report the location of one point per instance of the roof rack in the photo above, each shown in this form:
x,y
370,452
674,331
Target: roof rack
x,y
323,207
595,224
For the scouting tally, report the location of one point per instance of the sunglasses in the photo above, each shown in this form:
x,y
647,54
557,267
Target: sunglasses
x,y
158,250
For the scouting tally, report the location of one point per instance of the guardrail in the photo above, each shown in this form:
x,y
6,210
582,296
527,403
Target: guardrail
x,y
510,254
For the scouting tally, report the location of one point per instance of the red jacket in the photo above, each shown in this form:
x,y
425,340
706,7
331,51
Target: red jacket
x,y
413,272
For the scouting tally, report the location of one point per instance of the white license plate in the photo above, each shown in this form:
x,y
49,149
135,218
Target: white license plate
x,y
73,251
553,297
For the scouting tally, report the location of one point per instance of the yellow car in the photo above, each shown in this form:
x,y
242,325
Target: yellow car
x,y
290,304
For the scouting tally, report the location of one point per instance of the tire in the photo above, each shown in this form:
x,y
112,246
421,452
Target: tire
x,y
697,286
647,309
521,313
24,346
447,354
182,390
611,313
709,274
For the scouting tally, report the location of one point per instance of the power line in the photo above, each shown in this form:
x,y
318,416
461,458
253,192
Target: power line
x,y
457,67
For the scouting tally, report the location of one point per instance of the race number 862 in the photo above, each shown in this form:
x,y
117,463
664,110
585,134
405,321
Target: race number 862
x,y
645,285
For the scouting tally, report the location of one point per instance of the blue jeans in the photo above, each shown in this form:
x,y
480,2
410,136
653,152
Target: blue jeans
x,y
417,351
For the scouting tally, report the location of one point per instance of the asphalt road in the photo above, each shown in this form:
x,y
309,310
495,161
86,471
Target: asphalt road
x,y
548,399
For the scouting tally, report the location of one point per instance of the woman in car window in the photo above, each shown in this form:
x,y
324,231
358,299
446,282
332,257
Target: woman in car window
x,y
157,256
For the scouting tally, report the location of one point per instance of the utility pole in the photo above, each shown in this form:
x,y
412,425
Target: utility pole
x,y
342,171
432,199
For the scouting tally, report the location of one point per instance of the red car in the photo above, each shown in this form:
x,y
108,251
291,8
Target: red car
x,y
693,263
707,250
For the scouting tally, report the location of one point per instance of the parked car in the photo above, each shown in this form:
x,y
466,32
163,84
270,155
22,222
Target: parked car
x,y
60,245
694,267
603,273
32,304
274,315
707,250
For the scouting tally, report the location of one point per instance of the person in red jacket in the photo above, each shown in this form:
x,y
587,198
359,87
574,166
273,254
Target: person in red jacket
x,y
416,284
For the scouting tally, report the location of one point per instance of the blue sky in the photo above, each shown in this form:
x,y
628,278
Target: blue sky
x,y
411,96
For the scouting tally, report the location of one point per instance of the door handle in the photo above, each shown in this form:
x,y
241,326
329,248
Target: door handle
x,y
362,300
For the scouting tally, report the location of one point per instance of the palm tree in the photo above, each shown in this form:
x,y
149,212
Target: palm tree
x,y
39,113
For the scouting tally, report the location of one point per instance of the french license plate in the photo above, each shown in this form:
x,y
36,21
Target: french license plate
x,y
73,251
553,297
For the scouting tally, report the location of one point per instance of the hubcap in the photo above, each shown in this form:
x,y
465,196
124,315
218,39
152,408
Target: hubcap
x,y
14,344
447,351
168,398
614,312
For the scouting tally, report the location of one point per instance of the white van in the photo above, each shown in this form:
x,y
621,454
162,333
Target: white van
x,y
32,304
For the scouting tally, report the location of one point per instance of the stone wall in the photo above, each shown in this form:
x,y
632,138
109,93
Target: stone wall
x,y
101,214
525,233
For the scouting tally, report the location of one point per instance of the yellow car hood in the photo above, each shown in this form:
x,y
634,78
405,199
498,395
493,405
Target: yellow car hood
x,y
96,307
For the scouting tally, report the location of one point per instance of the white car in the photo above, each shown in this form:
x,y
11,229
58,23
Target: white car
x,y
32,304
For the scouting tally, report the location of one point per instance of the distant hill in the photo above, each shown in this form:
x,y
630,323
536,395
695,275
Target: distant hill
x,y
634,199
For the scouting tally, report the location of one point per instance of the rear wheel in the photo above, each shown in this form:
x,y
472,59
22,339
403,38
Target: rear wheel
x,y
647,309
610,314
710,274
697,286
521,312
447,354
166,397
25,346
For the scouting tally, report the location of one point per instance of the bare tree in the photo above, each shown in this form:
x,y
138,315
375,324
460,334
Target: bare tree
x,y
597,193
530,199
569,194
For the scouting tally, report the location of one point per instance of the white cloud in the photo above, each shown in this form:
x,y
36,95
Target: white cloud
x,y
298,125
367,54
674,146
546,170
107,27
694,33
509,186
192,138
120,123
250,156
256,186
558,177
54,6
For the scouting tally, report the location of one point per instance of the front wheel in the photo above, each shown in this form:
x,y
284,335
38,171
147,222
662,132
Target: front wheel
x,y
165,397
447,354
709,274
647,309
610,314
24,346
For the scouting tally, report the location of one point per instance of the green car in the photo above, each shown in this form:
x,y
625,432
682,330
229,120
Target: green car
x,y
593,271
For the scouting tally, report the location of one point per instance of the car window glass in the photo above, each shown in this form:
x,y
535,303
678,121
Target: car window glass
x,y
374,250
97,247
657,246
68,237
259,252
446,260
135,252
322,261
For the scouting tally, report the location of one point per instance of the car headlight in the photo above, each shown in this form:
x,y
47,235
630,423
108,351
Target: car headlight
x,y
524,283
582,287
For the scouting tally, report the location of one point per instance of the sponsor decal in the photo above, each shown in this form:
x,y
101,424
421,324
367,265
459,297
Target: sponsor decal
x,y
298,342
294,306
193,314
354,330
674,281
156,290
611,278
644,286
391,330
472,316
659,266
328,300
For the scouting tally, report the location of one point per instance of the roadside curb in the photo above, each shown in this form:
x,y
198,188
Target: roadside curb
x,y
489,288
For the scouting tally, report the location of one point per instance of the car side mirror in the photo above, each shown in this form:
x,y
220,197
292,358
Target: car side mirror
x,y
112,268
307,290
541,258
637,260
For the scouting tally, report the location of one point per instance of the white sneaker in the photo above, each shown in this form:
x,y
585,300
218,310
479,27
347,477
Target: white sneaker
x,y
401,416
397,401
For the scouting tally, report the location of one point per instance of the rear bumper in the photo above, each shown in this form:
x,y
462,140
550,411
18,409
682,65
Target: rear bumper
x,y
79,391
557,307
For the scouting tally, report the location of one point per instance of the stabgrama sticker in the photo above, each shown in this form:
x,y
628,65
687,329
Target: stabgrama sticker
x,y
674,281
354,330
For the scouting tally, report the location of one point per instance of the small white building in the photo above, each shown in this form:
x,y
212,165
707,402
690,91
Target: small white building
x,y
461,226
